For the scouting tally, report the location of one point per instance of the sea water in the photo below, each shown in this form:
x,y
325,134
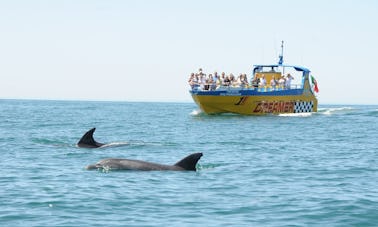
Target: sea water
x,y
318,169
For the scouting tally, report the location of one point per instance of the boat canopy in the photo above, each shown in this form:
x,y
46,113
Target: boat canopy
x,y
297,68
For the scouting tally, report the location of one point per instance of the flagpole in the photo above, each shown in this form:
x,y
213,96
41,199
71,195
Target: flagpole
x,y
280,58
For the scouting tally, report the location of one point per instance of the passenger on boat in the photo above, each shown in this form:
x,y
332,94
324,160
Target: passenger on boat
x,y
238,81
245,77
215,76
215,82
281,82
289,78
193,80
226,81
273,82
255,82
202,81
244,80
208,82
191,77
222,78
200,71
232,80
262,81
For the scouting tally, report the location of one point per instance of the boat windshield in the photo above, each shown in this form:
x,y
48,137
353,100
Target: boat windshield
x,y
288,77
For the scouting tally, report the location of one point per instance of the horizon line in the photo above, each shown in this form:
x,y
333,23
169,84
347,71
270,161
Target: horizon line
x,y
144,101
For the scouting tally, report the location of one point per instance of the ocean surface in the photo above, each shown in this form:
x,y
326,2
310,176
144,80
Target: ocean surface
x,y
318,169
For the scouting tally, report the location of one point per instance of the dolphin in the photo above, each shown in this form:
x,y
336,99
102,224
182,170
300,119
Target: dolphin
x,y
87,140
188,163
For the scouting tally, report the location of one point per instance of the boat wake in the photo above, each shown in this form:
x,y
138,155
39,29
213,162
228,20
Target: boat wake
x,y
131,143
295,115
335,110
116,144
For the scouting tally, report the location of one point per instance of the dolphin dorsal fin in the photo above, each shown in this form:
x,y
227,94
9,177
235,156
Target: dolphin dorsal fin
x,y
189,162
88,141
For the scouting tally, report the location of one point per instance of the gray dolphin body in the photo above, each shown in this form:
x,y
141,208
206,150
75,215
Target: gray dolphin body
x,y
88,141
188,163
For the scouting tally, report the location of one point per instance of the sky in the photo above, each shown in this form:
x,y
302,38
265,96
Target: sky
x,y
145,50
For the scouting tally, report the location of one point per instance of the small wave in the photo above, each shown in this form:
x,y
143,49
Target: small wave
x,y
140,143
201,167
136,143
368,112
53,143
332,110
373,112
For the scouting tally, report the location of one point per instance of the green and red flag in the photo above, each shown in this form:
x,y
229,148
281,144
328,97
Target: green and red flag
x,y
315,83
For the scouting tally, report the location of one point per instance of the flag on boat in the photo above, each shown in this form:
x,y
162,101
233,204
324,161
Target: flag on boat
x,y
315,83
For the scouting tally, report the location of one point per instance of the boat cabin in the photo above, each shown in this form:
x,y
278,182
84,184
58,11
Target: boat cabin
x,y
280,74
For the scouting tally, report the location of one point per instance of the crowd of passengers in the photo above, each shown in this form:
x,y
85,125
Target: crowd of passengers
x,y
213,81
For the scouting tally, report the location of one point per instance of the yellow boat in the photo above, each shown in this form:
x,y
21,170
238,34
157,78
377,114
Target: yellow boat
x,y
263,98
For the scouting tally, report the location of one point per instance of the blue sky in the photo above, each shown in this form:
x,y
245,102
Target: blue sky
x,y
145,50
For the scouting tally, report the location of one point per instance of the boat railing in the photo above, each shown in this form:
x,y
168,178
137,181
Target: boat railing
x,y
266,88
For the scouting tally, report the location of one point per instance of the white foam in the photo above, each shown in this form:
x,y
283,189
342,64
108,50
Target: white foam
x,y
331,110
115,144
196,112
295,115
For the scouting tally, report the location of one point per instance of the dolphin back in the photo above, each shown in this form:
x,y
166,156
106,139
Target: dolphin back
x,y
88,141
189,162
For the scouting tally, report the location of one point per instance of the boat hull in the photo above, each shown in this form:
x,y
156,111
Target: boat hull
x,y
255,103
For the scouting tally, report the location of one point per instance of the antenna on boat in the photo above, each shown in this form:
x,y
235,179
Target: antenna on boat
x,y
280,61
